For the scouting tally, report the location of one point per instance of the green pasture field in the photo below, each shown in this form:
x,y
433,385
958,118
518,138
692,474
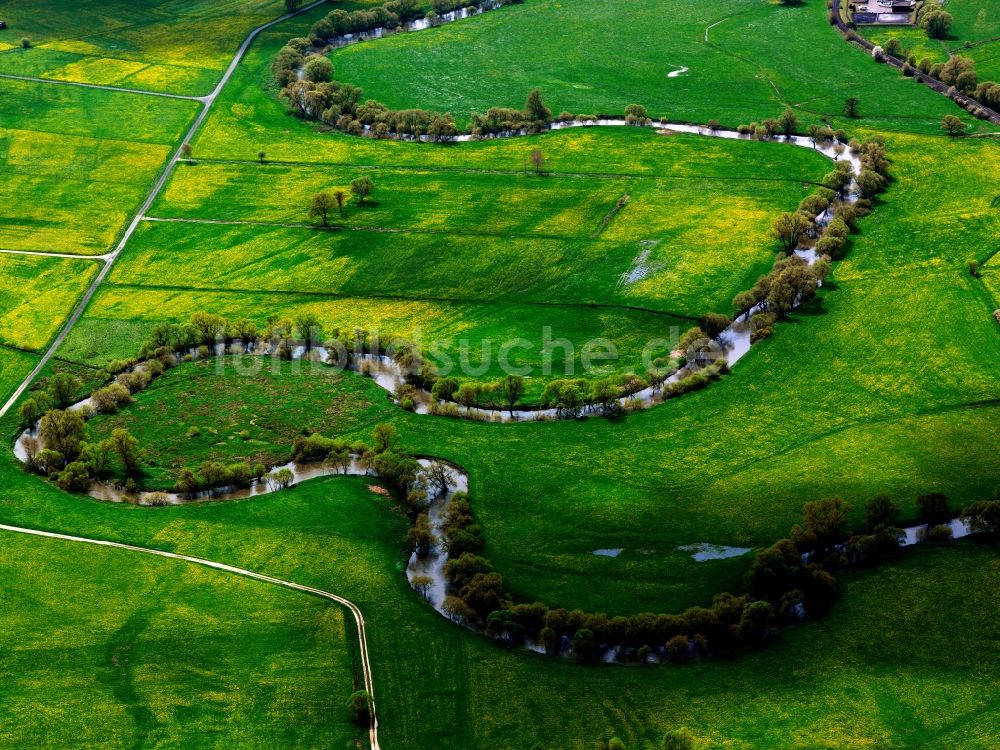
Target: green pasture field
x,y
887,384
902,344
595,57
37,294
178,46
14,367
871,673
70,184
938,214
474,236
268,403
93,113
975,33
124,650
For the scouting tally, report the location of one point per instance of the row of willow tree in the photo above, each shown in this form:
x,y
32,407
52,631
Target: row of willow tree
x,y
792,580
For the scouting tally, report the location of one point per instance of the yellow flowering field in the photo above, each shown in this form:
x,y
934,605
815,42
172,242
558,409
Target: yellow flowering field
x,y
178,46
37,294
70,194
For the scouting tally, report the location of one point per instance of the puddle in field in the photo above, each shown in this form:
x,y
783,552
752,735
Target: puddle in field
x,y
609,552
703,551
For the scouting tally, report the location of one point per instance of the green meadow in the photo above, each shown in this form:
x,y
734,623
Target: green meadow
x,y
177,46
37,294
886,384
15,365
71,184
122,315
905,657
473,236
594,57
124,650
178,423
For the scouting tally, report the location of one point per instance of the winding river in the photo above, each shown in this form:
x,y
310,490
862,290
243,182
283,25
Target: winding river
x,y
385,372
432,584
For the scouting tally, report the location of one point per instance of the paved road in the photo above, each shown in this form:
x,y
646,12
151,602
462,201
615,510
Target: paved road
x,y
359,619
111,257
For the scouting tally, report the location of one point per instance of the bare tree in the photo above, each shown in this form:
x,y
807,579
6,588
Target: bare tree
x,y
538,160
322,203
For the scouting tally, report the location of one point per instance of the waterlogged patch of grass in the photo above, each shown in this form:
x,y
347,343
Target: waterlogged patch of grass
x,y
137,647
36,296
268,403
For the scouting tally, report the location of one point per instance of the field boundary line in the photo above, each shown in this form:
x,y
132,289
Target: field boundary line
x,y
382,169
355,611
335,228
102,87
404,298
43,254
158,185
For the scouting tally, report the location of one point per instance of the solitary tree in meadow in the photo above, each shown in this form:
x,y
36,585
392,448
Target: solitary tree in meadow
x,y
538,160
127,448
814,132
952,125
292,5
63,388
359,705
384,436
880,511
422,585
261,156
851,106
322,204
936,22
870,183
677,739
339,196
31,411
361,188
318,69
